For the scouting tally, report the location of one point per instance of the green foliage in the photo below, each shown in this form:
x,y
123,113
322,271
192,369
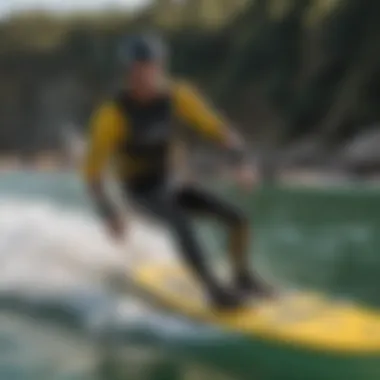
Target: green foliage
x,y
310,68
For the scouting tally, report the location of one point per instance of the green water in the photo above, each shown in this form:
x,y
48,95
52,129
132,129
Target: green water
x,y
307,238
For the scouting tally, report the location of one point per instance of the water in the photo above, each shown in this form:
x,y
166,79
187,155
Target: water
x,y
65,314
58,266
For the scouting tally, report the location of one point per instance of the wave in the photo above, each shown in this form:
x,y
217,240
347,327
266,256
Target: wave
x,y
62,262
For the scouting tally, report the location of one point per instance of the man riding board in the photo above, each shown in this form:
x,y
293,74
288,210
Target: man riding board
x,y
136,128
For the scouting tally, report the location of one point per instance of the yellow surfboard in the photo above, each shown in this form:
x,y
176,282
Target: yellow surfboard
x,y
304,319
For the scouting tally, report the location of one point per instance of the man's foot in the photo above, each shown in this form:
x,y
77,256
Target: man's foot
x,y
248,283
222,298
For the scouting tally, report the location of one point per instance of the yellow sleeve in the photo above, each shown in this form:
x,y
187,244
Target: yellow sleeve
x,y
107,129
194,110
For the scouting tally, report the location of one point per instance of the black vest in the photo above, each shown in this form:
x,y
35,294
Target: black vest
x,y
150,132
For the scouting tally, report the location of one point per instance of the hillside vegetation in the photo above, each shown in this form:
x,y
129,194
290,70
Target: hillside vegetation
x,y
283,69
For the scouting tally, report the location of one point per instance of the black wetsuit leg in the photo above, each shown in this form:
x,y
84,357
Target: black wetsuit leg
x,y
165,203
200,201
158,200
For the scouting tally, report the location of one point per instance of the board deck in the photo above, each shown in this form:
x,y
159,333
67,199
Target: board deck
x,y
304,319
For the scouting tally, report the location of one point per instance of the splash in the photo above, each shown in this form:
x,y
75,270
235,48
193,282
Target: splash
x,y
66,259
45,247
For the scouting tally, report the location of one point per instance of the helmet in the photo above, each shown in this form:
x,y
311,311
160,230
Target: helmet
x,y
142,48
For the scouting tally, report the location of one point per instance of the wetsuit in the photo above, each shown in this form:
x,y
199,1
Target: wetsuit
x,y
139,137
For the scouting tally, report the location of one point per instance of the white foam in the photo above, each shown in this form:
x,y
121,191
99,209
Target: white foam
x,y
46,250
45,247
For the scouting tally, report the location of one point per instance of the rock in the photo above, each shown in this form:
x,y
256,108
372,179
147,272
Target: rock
x,y
362,154
308,152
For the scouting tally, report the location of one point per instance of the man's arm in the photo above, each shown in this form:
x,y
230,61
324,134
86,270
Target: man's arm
x,y
195,111
106,130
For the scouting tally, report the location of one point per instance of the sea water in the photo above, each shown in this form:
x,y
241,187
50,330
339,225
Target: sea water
x,y
63,314
66,312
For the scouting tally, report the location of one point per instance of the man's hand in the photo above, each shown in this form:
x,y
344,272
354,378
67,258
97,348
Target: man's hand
x,y
116,228
107,211
245,176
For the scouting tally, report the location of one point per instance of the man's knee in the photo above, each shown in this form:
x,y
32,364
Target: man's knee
x,y
236,218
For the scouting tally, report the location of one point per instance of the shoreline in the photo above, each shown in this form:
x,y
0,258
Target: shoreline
x,y
53,162
43,162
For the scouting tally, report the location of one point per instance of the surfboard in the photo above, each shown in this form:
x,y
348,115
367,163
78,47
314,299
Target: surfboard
x,y
305,319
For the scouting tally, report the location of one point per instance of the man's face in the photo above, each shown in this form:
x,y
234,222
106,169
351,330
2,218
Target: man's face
x,y
145,76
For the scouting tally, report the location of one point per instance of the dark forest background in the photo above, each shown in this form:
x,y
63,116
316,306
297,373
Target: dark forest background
x,y
300,77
